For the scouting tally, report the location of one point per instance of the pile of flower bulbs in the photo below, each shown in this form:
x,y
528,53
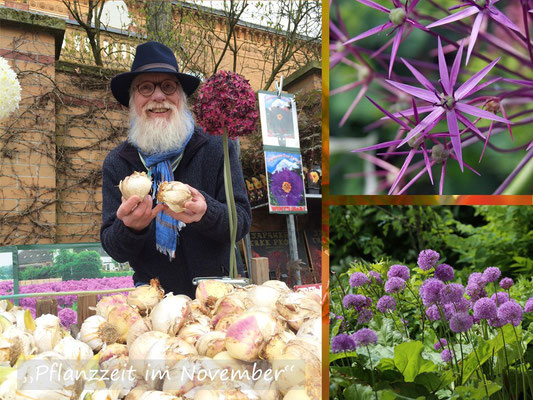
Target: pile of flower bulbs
x,y
256,342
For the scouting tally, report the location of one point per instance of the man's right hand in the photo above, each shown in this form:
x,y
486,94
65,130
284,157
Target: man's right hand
x,y
137,215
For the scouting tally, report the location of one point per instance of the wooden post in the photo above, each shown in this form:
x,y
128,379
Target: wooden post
x,y
46,306
84,302
260,270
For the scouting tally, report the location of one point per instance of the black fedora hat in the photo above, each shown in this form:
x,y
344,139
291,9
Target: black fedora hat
x,y
151,57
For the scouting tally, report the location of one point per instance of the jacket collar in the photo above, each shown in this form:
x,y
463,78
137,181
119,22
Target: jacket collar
x,y
130,154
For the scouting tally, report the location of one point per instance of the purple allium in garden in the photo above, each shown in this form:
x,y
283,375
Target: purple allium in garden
x,y
511,312
430,289
491,274
364,337
451,293
375,277
433,313
399,271
394,285
496,322
287,187
342,342
476,278
400,19
427,259
500,297
485,308
529,305
357,301
506,283
484,9
441,343
68,317
461,322
386,303
446,355
444,272
358,279
364,316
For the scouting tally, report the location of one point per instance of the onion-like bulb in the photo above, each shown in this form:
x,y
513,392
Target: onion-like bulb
x,y
26,339
262,296
248,334
168,316
145,297
191,333
47,332
96,331
209,291
140,388
211,343
174,194
137,183
297,308
230,304
157,395
122,317
75,350
137,329
106,303
139,349
276,345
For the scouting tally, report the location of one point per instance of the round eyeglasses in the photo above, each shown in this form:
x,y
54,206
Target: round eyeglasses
x,y
167,86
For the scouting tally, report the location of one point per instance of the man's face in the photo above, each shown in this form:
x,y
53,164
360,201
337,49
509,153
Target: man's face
x,y
158,104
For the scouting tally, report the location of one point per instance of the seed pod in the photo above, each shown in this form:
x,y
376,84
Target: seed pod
x,y
174,194
137,183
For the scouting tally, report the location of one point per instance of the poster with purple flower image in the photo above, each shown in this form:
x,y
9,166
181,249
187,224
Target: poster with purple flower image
x,y
279,122
286,193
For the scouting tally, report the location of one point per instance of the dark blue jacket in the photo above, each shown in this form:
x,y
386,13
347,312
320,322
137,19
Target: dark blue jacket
x,y
203,247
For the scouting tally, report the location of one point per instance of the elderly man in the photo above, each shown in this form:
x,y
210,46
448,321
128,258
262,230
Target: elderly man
x,y
164,141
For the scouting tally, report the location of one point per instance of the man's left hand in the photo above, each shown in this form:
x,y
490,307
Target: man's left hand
x,y
194,208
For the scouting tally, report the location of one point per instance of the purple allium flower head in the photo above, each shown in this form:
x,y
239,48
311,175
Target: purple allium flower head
x,y
462,304
529,305
287,187
444,272
506,283
226,102
511,312
399,271
427,259
429,290
441,343
461,322
433,313
485,308
358,279
68,317
394,285
364,337
496,322
357,301
476,278
375,277
386,303
342,342
446,355
491,274
484,9
451,293
365,316
500,297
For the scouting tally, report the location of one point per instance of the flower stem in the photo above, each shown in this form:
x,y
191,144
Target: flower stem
x,y
232,212
372,372
522,181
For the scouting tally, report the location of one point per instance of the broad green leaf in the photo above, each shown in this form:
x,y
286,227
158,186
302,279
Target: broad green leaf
x,y
338,356
477,392
408,359
476,359
386,364
359,392
431,380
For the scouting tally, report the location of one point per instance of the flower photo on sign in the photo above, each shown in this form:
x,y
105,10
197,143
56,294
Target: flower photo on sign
x,y
286,192
279,120
10,89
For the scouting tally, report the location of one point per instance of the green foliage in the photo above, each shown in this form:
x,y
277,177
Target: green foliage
x,y
76,266
114,274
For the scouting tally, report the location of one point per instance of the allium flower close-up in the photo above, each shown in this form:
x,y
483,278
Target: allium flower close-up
x,y
342,342
357,301
511,312
444,272
375,277
428,259
430,290
440,344
446,114
386,303
491,274
446,355
10,88
400,271
451,293
287,188
461,322
506,283
394,285
529,305
485,308
358,279
365,337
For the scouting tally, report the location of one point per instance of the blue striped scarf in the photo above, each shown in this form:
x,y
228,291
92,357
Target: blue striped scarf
x,y
160,169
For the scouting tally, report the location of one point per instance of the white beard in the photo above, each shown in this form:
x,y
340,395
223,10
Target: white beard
x,y
158,135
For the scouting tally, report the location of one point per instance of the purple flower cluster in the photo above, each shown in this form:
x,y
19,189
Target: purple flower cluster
x,y
342,342
374,277
68,317
365,337
491,274
444,272
446,355
511,313
441,343
476,286
451,293
226,101
399,271
386,303
364,316
427,259
394,285
461,322
430,289
506,283
529,305
357,301
485,308
358,279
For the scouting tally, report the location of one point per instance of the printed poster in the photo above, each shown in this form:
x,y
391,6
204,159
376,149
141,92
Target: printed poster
x,y
279,121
